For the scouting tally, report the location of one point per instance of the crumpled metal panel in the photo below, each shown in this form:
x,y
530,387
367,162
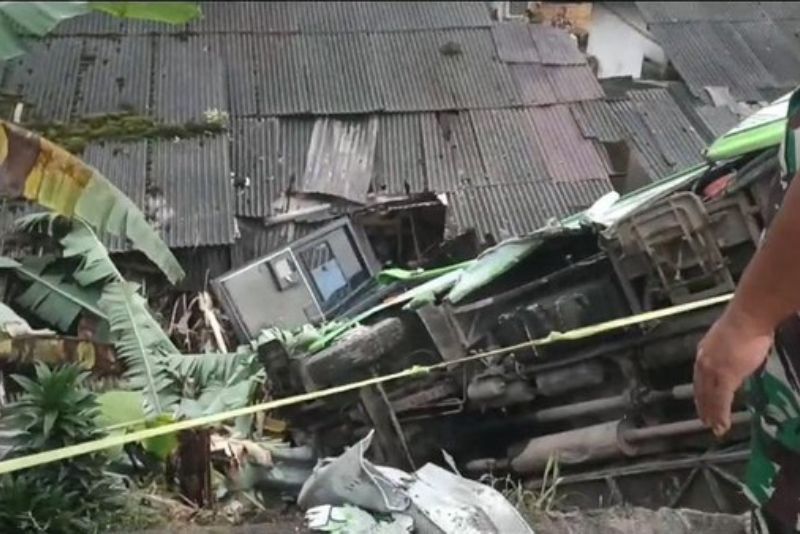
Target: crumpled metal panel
x,y
116,76
399,160
190,191
190,78
556,46
514,43
340,158
568,155
46,77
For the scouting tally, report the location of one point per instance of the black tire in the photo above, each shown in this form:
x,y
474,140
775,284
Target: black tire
x,y
363,346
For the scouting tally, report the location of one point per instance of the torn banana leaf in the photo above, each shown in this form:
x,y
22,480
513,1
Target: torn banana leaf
x,y
49,295
39,171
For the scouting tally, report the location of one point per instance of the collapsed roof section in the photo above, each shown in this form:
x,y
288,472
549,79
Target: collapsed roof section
x,y
338,102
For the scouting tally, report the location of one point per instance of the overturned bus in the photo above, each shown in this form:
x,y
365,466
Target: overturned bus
x,y
613,408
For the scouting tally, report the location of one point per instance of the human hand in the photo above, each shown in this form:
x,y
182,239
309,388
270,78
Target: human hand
x,y
732,350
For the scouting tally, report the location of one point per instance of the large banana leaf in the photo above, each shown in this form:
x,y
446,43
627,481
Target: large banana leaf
x,y
142,345
40,18
137,337
49,296
39,171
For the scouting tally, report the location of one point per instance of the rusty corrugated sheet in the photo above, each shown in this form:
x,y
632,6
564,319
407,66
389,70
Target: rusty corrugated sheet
x,y
568,155
116,76
190,78
573,83
399,159
46,77
340,158
514,43
555,46
268,157
508,146
190,191
506,210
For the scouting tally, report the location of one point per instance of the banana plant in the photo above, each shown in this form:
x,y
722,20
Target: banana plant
x,y
34,169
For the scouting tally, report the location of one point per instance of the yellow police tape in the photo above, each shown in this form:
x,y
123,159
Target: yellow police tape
x,y
33,460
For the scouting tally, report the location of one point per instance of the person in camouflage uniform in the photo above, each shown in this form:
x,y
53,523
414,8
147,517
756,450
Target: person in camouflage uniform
x,y
756,342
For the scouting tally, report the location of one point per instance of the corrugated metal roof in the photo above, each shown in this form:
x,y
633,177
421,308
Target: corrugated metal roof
x,y
555,46
573,83
680,144
706,54
568,155
399,160
598,120
46,77
450,148
190,78
341,156
258,240
618,120
116,76
338,17
342,76
506,210
533,84
124,164
700,11
237,17
717,120
514,43
408,65
781,10
190,191
509,146
269,156
774,50
474,76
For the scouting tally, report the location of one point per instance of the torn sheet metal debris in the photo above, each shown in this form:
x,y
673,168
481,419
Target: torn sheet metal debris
x,y
438,501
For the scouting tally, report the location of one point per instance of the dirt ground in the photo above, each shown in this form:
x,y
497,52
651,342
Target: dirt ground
x,y
610,521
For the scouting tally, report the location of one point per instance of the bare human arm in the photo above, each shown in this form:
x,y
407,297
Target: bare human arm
x,y
738,343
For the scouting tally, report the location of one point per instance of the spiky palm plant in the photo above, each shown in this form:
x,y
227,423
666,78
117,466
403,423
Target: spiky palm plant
x,y
55,410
